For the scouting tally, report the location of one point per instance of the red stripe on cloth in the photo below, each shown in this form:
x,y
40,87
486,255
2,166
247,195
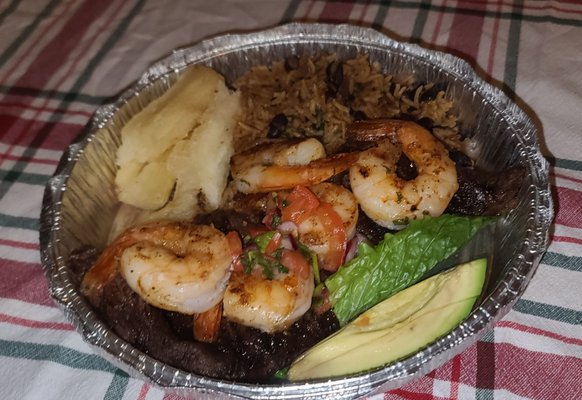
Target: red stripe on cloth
x,y
364,10
25,282
50,59
52,110
404,394
308,10
419,389
56,326
437,26
539,332
565,239
491,57
23,132
569,178
143,392
172,396
28,159
51,21
465,34
536,372
21,245
455,376
485,365
568,207
336,12
49,128
529,5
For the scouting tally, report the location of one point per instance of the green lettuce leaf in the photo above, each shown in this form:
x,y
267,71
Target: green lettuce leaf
x,y
397,262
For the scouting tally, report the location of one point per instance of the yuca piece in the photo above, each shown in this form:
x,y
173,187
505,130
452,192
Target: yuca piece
x,y
174,157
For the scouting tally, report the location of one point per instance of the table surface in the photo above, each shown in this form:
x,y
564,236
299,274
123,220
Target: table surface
x,y
60,59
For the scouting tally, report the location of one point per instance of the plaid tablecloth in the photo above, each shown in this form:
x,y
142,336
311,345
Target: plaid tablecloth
x,y
60,59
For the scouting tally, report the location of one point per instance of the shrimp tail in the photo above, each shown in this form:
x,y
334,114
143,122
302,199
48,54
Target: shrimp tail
x,y
206,325
388,199
105,269
284,177
377,129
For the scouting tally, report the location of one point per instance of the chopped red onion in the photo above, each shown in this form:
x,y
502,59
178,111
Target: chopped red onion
x,y
287,243
352,248
288,227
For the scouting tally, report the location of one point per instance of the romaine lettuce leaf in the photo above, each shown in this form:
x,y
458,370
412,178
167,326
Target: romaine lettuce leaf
x,y
397,262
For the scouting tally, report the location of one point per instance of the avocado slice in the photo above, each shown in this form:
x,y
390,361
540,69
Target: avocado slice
x,y
396,327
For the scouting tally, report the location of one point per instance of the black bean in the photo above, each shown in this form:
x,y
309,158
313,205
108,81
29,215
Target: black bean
x,y
405,168
410,92
431,94
407,117
460,158
292,63
359,115
426,123
371,230
277,126
334,77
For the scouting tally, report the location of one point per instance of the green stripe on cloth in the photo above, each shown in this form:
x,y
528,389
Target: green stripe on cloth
x,y
420,22
489,337
79,83
380,16
58,354
428,6
574,165
23,177
10,221
484,394
109,43
26,32
54,95
555,313
571,263
9,10
118,386
290,11
511,55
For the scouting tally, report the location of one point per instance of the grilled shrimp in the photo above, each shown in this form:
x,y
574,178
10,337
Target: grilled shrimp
x,y
317,231
385,197
174,266
283,165
270,305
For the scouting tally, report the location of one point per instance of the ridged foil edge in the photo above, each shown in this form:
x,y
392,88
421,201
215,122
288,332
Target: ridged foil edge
x,y
507,292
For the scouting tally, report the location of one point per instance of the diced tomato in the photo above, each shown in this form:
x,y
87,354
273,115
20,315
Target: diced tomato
x,y
270,217
294,260
298,205
234,243
235,246
301,204
274,243
257,230
336,235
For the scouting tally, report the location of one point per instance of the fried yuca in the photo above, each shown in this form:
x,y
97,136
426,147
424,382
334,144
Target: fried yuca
x,y
173,161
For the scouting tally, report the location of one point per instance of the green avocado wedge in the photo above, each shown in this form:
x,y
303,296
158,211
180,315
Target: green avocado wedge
x,y
396,327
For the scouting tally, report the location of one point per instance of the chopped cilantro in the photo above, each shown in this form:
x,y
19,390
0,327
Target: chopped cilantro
x,y
276,221
263,239
254,257
282,373
311,257
320,120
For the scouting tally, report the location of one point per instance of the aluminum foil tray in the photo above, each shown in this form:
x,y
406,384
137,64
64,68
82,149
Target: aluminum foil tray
x,y
80,203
